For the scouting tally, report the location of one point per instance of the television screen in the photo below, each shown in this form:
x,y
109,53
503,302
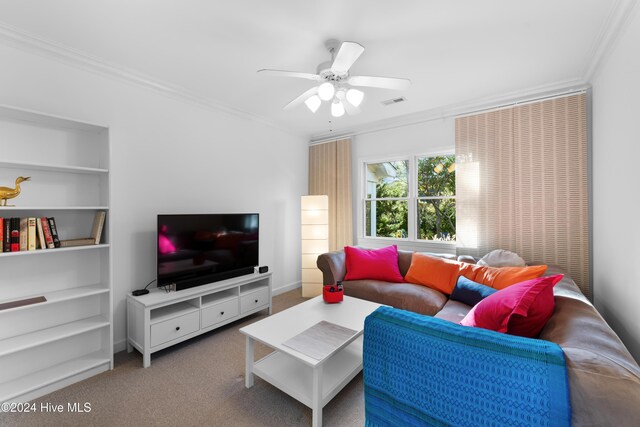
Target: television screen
x,y
198,249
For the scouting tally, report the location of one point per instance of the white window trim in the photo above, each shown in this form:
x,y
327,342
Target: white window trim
x,y
411,242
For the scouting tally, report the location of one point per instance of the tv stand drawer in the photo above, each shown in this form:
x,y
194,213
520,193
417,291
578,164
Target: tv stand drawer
x,y
254,299
220,312
172,329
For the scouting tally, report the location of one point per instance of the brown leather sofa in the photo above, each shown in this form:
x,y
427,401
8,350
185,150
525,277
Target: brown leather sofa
x,y
604,379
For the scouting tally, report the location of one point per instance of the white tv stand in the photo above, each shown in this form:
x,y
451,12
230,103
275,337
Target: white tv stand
x,y
161,319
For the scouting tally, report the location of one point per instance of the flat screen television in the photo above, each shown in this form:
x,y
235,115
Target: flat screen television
x,y
196,249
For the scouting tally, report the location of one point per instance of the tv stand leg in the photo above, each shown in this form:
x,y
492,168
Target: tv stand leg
x,y
146,359
248,373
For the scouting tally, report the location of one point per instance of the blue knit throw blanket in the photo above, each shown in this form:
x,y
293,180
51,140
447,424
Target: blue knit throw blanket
x,y
423,371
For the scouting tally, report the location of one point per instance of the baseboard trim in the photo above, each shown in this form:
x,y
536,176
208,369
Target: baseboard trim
x,y
286,288
119,346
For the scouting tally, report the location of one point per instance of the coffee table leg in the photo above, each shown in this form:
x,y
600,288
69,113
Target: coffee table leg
x,y
248,370
317,397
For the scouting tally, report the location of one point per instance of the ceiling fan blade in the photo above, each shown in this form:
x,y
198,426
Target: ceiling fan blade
x,y
347,55
348,107
282,73
299,100
380,82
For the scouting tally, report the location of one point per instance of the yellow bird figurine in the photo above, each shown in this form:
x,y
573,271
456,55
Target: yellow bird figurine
x,y
7,193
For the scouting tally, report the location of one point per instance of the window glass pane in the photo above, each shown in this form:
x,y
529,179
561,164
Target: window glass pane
x,y
437,219
437,176
387,179
386,218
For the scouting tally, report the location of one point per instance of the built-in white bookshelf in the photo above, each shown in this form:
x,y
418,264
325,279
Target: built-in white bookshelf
x,y
69,337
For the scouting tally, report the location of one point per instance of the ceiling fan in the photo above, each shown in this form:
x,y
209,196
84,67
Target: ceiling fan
x,y
335,83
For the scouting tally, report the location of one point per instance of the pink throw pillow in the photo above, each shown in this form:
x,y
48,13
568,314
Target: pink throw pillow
x,y
521,309
376,264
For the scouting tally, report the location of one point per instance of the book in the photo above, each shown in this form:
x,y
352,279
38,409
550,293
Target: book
x,y
15,234
54,231
31,234
77,242
1,234
98,225
22,303
7,235
41,240
47,233
24,233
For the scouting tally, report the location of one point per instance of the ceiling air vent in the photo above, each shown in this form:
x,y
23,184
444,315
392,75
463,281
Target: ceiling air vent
x,y
394,101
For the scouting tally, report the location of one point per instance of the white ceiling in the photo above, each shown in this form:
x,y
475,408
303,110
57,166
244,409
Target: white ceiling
x,y
455,52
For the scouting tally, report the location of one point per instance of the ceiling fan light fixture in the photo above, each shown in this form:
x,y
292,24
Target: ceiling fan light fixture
x,y
313,103
326,91
355,97
337,109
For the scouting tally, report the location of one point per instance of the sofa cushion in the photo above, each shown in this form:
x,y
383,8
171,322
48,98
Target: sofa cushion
x,y
406,296
437,273
442,274
470,292
502,258
522,309
500,277
376,264
453,311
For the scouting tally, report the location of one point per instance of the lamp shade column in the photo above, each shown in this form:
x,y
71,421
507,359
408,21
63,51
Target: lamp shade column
x,y
314,216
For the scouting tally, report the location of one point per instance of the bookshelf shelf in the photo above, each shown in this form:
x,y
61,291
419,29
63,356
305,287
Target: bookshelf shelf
x,y
45,336
63,295
54,251
53,168
69,337
50,208
28,386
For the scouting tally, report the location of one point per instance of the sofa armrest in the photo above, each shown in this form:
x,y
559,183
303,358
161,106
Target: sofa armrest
x,y
332,265
420,370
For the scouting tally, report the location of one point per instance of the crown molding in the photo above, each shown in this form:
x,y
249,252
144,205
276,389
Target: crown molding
x,y
467,107
27,41
615,24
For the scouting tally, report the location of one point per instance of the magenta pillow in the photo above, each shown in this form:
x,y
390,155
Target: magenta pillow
x,y
376,264
521,309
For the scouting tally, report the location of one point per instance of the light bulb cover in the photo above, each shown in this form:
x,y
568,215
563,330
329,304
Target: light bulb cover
x,y
313,103
337,109
355,97
326,91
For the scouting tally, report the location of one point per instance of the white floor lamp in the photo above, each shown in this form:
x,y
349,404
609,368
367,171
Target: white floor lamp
x,y
314,217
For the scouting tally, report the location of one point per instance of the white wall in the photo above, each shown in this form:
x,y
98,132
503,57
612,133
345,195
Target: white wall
x,y
170,156
616,221
429,137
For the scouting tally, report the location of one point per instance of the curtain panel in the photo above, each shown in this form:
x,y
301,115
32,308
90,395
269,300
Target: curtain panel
x,y
522,184
330,174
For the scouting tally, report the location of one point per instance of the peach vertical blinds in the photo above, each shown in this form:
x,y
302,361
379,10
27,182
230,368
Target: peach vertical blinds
x,y
330,174
522,183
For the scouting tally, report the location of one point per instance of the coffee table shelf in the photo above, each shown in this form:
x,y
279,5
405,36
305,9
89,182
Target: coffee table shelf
x,y
296,378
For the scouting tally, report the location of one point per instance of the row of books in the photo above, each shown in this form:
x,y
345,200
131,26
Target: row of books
x,y
30,234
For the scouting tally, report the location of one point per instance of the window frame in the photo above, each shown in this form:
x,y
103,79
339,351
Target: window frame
x,y
412,200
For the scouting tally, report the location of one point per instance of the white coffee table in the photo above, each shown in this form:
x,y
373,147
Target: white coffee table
x,y
312,382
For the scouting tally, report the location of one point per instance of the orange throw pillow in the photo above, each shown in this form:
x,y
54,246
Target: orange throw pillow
x,y
442,274
501,277
437,273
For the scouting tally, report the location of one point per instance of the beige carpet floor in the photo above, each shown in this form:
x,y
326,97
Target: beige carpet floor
x,y
199,382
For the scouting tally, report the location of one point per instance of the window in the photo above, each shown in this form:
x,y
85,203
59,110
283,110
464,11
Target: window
x,y
411,199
